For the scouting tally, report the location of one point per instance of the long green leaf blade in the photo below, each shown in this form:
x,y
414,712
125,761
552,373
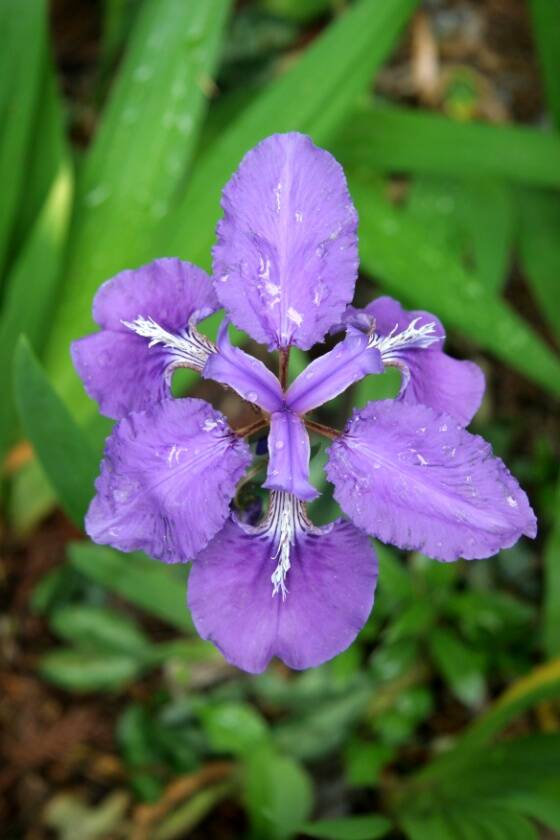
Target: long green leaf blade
x,y
32,286
23,27
398,253
397,139
60,445
142,149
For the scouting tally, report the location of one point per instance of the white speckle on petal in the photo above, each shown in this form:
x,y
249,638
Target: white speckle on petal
x,y
511,502
295,316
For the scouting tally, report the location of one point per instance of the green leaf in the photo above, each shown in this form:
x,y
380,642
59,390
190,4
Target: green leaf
x,y
60,445
539,250
396,139
82,671
551,607
234,728
157,588
278,794
546,30
23,27
399,254
31,288
314,96
141,152
49,152
460,666
348,828
365,760
100,628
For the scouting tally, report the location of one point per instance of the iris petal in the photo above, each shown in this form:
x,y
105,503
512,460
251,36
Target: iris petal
x,y
167,480
118,366
333,372
288,447
329,589
248,376
417,479
286,259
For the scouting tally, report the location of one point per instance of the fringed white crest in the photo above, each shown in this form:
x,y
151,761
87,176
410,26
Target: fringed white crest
x,y
412,337
285,521
188,347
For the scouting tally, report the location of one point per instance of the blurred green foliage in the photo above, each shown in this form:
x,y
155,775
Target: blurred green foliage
x,y
407,718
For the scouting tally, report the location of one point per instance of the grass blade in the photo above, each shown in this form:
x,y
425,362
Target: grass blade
x,y
398,253
539,250
397,139
31,288
546,30
23,27
60,445
143,146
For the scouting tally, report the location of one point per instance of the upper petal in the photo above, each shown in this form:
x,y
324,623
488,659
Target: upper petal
x,y
329,589
147,317
286,259
248,376
167,479
333,372
417,479
288,447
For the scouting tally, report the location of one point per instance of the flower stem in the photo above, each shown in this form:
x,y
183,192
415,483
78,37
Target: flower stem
x,y
251,428
284,360
325,431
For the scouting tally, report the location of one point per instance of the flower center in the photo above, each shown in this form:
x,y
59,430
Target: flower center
x,y
285,521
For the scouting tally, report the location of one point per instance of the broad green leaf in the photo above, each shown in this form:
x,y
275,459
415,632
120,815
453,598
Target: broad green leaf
x,y
79,670
348,828
541,806
99,629
539,250
31,288
233,727
49,153
398,253
487,212
397,139
543,683
300,10
471,217
277,793
23,60
473,821
157,588
551,606
59,443
546,30
143,147
461,667
314,96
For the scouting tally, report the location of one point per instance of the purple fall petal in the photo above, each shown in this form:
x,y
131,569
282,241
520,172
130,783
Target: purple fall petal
x,y
331,374
430,376
288,447
286,259
167,480
117,365
248,376
321,602
417,479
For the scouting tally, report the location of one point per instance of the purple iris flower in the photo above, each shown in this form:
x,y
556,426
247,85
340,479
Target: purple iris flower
x,y
404,470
